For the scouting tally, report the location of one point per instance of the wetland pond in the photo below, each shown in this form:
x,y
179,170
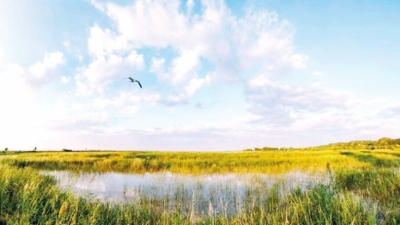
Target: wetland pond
x,y
209,194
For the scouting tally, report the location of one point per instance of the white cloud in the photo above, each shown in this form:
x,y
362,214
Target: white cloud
x,y
102,42
158,67
174,100
196,83
103,71
50,62
103,103
1,55
318,73
324,114
390,111
129,110
267,42
189,52
133,22
65,79
259,41
67,44
231,44
285,105
18,78
43,72
22,113
189,5
81,122
184,65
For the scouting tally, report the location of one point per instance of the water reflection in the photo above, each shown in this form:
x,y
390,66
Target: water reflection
x,y
201,195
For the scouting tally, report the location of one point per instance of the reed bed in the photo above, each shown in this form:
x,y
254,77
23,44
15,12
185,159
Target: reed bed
x,y
271,162
363,188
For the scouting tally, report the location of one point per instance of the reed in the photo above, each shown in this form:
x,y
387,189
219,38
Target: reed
x,y
364,188
271,162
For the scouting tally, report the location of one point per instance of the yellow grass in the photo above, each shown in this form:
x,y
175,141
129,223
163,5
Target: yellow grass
x,y
272,162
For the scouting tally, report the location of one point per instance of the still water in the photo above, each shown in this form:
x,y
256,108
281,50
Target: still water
x,y
203,195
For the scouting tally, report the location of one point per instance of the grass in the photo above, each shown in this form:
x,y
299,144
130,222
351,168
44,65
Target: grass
x,y
365,187
271,162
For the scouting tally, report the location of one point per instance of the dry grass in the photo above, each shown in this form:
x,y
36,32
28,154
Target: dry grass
x,y
272,162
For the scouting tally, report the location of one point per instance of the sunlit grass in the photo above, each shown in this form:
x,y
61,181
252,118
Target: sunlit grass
x,y
272,162
30,198
364,189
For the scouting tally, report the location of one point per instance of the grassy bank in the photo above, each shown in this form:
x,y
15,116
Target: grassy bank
x,y
272,162
365,187
355,197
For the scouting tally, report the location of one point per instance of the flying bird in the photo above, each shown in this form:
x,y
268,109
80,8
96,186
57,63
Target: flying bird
x,y
133,81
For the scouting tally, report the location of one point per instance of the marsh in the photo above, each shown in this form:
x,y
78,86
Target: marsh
x,y
200,194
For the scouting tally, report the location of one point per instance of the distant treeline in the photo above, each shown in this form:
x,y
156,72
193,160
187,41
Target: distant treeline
x,y
383,143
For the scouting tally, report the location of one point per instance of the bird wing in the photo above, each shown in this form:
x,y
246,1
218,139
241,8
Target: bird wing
x,y
139,84
132,80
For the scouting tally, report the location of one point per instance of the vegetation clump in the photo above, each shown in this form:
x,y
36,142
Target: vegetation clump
x,y
363,187
382,143
28,197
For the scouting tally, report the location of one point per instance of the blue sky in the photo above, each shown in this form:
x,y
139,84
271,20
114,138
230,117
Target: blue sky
x,y
216,75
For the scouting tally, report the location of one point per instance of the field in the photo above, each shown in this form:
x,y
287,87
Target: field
x,y
363,187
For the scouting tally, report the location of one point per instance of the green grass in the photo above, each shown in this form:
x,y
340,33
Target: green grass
x,y
365,187
272,162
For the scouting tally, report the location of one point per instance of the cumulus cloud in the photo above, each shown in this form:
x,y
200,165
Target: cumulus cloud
x,y
41,71
44,71
196,83
184,66
267,42
174,100
129,100
81,122
105,70
318,73
16,78
325,114
232,45
23,114
129,110
283,105
390,111
104,41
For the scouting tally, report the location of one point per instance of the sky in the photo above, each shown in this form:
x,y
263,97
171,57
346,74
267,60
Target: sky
x,y
217,75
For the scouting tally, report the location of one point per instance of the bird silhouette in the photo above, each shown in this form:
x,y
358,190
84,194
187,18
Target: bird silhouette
x,y
133,81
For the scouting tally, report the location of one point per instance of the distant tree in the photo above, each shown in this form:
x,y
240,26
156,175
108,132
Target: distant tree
x,y
382,143
35,149
6,150
269,149
371,146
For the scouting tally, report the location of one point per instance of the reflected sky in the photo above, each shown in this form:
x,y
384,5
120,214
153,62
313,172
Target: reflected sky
x,y
203,194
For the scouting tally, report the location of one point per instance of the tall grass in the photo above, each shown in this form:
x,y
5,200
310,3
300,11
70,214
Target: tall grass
x,y
272,162
30,198
364,189
27,197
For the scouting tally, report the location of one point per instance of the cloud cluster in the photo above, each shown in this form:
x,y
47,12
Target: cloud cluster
x,y
210,78
212,39
106,69
42,72
284,105
35,76
19,81
23,114
188,50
